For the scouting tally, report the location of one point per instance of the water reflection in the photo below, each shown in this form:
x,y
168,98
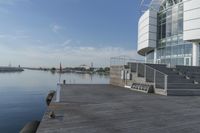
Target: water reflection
x,y
22,95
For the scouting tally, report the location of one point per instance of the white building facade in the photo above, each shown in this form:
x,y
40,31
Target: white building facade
x,y
169,33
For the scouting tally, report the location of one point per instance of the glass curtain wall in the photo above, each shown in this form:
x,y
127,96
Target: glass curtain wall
x,y
150,57
171,49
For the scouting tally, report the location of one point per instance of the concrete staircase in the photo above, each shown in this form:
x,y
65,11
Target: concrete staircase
x,y
177,81
182,81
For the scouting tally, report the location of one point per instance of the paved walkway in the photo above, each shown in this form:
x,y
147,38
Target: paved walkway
x,y
111,109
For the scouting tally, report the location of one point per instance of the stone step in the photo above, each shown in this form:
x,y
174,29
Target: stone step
x,y
177,76
183,92
179,80
183,86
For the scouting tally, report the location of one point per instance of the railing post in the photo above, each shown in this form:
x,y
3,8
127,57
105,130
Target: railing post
x,y
154,78
145,73
166,82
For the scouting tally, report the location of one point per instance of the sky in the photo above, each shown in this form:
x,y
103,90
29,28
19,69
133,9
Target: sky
x,y
43,33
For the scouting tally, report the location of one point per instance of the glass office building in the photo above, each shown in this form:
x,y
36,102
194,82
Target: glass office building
x,y
169,32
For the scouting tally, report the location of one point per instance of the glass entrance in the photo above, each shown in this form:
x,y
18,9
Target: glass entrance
x,y
187,61
158,61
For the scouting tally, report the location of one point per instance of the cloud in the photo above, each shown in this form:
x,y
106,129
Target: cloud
x,y
14,36
55,28
66,43
70,56
37,53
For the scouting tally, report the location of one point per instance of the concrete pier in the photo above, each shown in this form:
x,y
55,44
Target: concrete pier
x,y
111,109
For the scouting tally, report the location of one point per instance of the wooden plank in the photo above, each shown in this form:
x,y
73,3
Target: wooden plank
x,y
111,109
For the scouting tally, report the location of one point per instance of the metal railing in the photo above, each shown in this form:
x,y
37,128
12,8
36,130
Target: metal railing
x,y
160,80
122,60
151,75
141,70
157,77
132,66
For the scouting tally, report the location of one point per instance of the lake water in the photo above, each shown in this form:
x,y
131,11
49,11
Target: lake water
x,y
22,95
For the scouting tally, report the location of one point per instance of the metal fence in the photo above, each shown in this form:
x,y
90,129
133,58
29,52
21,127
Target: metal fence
x,y
141,68
160,80
122,60
149,74
132,66
155,76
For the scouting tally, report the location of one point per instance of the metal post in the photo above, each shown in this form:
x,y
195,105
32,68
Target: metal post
x,y
58,92
154,78
166,82
58,89
125,77
137,69
145,73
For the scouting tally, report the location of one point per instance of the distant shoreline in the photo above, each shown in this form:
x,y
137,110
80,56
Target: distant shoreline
x,y
11,69
101,71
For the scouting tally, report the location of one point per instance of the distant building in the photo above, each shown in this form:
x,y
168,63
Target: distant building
x,y
169,32
85,66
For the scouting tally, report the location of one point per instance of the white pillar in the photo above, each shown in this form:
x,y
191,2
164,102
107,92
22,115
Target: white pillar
x,y
58,92
155,56
195,54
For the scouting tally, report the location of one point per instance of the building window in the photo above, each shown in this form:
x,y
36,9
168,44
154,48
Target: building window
x,y
171,49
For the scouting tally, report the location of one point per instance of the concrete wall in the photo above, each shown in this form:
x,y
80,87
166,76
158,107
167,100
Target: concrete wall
x,y
115,76
147,32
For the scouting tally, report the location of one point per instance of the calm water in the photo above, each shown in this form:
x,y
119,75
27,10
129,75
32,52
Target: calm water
x,y
22,95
